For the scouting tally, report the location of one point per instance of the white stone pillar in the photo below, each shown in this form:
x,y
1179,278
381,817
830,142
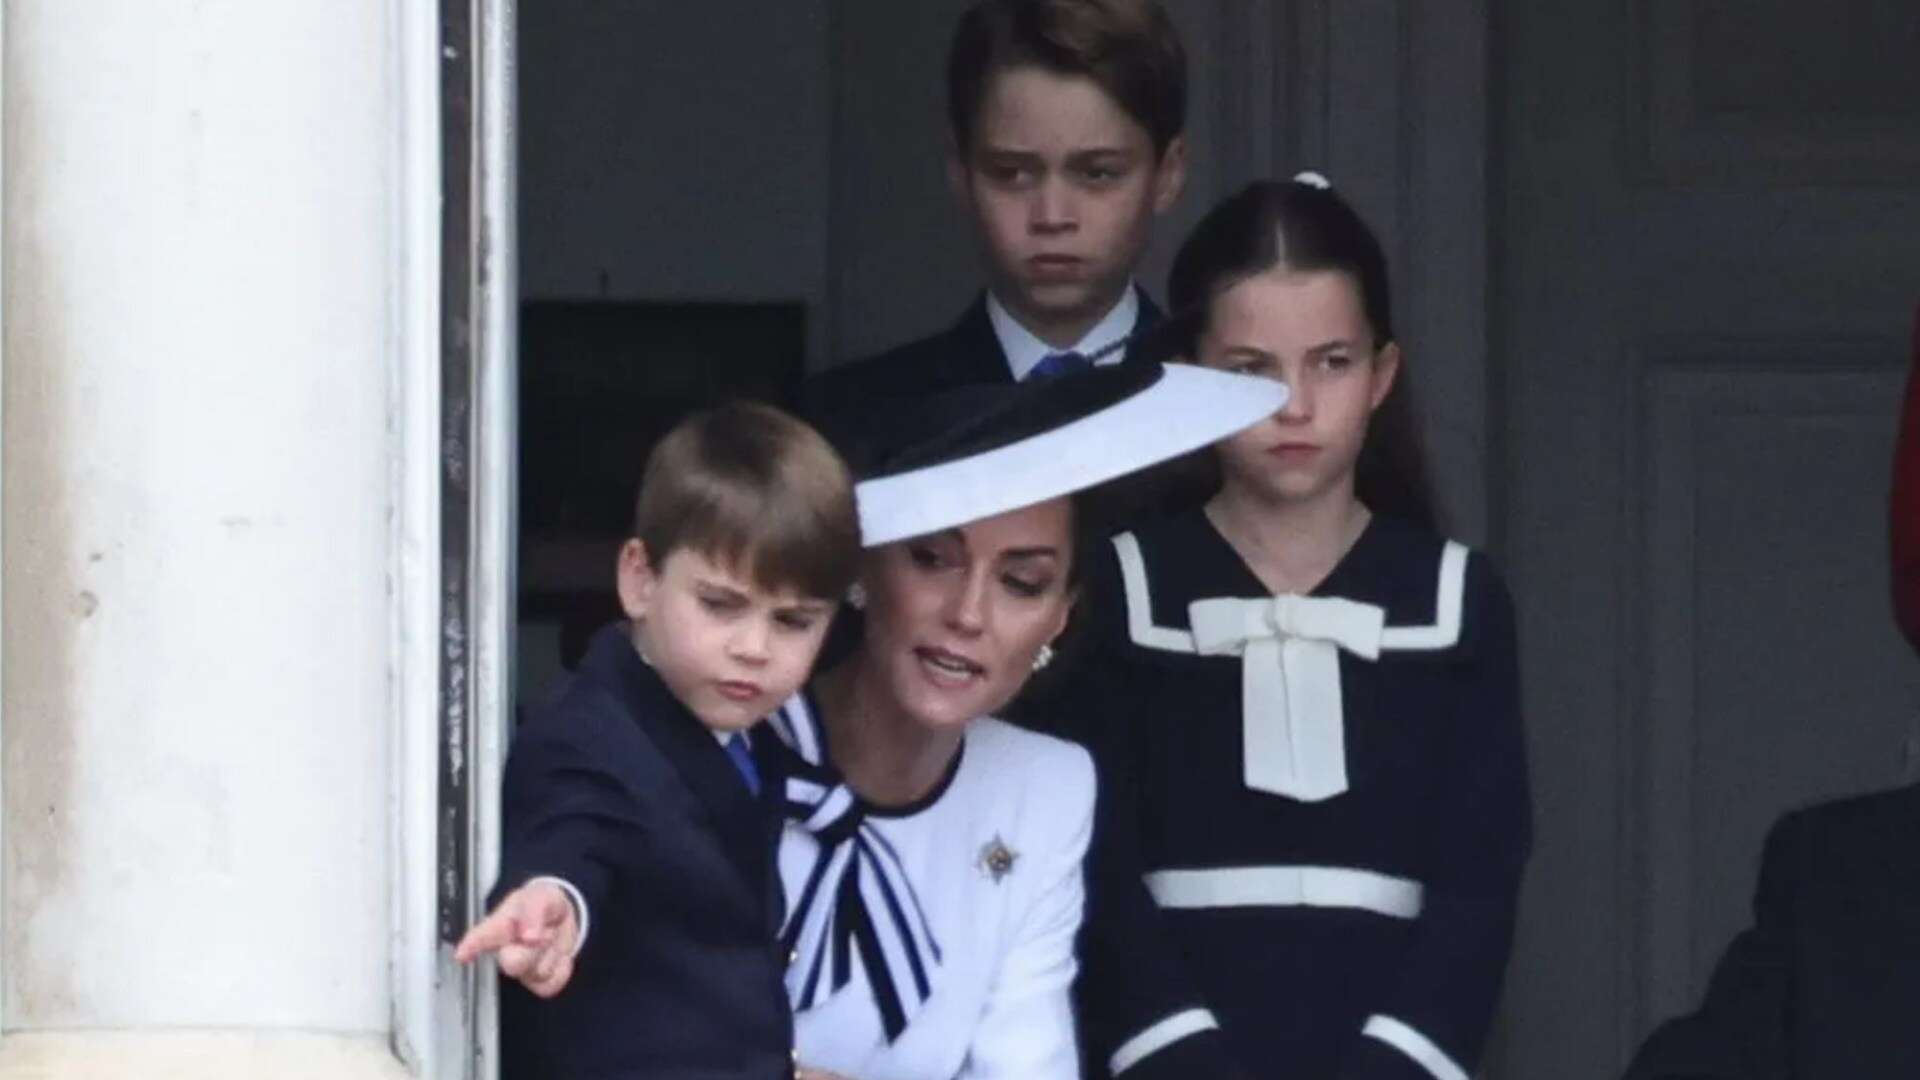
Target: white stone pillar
x,y
200,356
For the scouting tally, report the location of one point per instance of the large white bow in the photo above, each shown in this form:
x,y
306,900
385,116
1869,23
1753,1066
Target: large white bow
x,y
1293,718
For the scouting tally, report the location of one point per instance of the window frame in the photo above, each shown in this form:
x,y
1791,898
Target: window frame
x,y
455,491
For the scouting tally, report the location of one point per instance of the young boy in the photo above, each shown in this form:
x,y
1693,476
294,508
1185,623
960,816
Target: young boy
x,y
637,904
1065,143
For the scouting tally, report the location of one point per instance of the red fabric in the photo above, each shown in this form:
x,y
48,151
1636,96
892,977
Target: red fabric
x,y
1906,505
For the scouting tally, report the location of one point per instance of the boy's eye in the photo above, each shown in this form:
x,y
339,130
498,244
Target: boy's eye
x,y
720,603
794,620
1007,174
1336,361
1101,174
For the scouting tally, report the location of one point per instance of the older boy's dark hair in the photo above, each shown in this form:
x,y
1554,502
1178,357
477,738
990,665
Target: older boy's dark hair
x,y
755,489
1129,49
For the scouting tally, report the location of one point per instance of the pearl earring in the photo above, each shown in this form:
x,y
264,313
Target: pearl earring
x,y
857,596
1042,658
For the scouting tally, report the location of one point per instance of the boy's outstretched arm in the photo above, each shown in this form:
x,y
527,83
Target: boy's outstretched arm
x,y
566,814
534,931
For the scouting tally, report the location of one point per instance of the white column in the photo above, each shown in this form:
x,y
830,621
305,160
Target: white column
x,y
201,340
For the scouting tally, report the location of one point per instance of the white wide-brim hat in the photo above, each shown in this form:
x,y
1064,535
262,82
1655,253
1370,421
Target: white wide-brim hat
x,y
980,451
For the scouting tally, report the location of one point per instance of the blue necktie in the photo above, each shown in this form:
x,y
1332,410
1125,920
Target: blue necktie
x,y
1054,365
742,759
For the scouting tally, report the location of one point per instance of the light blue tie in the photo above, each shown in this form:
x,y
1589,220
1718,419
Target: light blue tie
x,y
742,758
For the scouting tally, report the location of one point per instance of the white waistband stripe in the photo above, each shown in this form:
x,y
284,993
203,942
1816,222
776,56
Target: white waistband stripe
x,y
1158,1036
1415,1045
1288,886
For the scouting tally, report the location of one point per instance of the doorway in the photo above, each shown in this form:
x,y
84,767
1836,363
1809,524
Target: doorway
x,y
1707,279
711,197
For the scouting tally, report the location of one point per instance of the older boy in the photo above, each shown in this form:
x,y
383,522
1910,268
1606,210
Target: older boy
x,y
637,904
1065,143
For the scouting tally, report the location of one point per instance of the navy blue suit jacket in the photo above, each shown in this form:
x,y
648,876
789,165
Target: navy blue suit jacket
x,y
1826,983
841,401
618,789
850,405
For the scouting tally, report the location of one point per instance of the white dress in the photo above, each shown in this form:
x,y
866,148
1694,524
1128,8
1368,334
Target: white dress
x,y
937,940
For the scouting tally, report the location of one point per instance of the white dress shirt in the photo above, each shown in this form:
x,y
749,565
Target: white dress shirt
x,y
1024,350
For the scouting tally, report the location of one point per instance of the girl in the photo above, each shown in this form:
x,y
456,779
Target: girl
x,y
1316,737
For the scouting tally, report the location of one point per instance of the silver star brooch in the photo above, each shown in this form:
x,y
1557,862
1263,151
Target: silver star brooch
x,y
997,859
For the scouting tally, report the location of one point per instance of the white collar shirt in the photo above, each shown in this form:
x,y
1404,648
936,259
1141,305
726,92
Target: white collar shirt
x,y
1024,351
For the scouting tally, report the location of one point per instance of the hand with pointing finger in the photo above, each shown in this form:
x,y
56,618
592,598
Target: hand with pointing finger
x,y
532,932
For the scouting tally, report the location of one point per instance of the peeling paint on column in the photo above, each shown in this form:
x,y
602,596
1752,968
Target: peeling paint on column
x,y
42,624
194,629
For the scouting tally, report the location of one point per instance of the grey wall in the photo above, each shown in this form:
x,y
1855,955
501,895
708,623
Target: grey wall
x,y
674,151
903,261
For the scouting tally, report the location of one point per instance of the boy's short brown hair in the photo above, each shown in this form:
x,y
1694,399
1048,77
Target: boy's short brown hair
x,y
753,488
1129,49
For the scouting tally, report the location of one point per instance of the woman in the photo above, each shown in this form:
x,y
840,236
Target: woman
x,y
1314,699
932,860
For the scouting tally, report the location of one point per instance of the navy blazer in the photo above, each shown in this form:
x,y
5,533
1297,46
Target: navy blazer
x,y
845,402
618,789
841,399
1826,983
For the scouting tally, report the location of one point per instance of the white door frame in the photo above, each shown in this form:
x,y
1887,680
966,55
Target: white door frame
x,y
454,532
3,471
496,477
415,540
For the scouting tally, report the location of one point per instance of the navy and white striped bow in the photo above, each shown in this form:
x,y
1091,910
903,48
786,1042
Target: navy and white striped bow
x,y
857,900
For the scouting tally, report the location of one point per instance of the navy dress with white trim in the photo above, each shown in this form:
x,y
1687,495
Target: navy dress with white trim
x,y
1327,797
